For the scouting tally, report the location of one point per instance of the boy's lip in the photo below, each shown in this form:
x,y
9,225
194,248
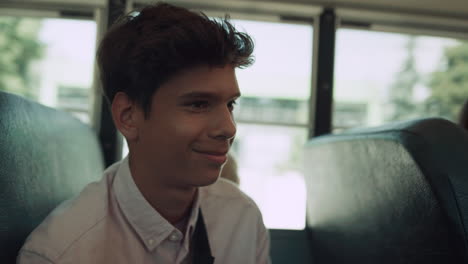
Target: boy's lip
x,y
217,156
212,152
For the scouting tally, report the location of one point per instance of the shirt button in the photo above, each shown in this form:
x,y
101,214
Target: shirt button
x,y
174,237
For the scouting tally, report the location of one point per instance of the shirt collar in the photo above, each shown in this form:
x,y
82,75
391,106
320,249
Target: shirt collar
x,y
150,226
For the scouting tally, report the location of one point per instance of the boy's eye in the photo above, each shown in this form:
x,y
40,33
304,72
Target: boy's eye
x,y
198,105
231,105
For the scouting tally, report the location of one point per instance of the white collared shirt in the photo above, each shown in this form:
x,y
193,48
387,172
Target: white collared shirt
x,y
111,222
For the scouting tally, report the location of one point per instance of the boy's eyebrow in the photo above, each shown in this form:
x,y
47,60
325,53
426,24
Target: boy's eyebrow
x,y
204,95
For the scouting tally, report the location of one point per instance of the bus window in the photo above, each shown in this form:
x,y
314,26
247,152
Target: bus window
x,y
384,77
49,60
272,120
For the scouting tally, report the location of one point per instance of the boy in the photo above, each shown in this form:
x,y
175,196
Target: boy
x,y
170,77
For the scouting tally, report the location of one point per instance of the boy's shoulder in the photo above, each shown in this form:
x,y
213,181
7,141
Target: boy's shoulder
x,y
70,221
224,190
228,211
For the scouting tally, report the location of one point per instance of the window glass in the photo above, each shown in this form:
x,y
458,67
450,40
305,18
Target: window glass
x,y
276,87
49,61
270,163
385,77
272,117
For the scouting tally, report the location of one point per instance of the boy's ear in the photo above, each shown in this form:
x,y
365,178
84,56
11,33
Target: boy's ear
x,y
126,115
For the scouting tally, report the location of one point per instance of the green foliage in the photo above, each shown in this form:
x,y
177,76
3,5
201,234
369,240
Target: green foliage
x,y
449,86
18,48
401,91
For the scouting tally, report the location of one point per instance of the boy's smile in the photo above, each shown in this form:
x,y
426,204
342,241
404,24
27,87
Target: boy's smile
x,y
218,157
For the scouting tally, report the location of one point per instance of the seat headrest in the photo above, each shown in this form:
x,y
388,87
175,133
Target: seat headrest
x,y
46,157
392,194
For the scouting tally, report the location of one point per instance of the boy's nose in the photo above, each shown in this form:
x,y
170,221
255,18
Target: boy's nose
x,y
224,126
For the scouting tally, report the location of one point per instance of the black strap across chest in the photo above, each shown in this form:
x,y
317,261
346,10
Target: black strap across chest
x,y
201,246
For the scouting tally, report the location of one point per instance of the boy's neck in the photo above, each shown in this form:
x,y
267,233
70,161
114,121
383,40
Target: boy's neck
x,y
174,204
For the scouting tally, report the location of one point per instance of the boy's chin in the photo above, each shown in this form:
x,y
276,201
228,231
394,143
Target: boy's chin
x,y
206,179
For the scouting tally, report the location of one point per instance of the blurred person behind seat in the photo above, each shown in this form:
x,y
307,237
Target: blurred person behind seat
x,y
229,170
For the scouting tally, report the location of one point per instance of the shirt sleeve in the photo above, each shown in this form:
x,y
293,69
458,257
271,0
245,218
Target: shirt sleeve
x,y
263,244
29,257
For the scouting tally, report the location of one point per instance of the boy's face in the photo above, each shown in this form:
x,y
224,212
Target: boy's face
x,y
190,128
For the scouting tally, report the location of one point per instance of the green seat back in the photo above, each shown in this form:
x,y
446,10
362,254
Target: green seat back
x,y
46,157
393,194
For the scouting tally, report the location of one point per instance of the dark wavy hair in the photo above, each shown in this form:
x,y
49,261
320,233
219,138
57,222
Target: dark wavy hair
x,y
141,52
463,116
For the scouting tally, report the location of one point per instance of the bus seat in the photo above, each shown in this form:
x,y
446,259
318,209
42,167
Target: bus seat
x,y
46,157
392,194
